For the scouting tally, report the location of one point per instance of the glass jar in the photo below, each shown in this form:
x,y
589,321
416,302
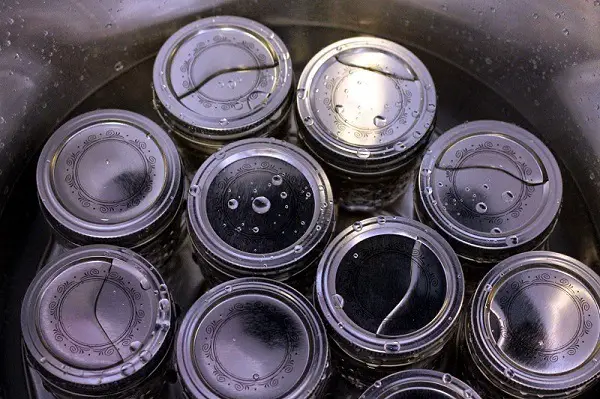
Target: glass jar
x,y
390,291
492,190
113,177
419,384
222,79
533,328
98,323
366,108
260,207
252,338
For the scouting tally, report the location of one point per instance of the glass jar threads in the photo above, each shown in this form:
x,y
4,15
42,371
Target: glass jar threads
x,y
366,109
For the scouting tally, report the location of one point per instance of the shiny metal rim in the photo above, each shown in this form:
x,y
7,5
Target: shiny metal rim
x,y
203,128
425,340
320,226
77,227
93,378
193,382
487,353
493,242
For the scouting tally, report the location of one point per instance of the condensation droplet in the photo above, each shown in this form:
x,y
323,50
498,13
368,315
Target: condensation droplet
x,y
223,122
428,190
487,287
43,360
301,94
255,377
377,384
512,240
194,190
496,230
447,378
228,288
298,249
481,207
145,284
261,205
339,108
391,346
127,369
363,153
135,345
232,204
338,301
119,66
381,219
379,121
283,195
164,304
277,180
400,146
357,226
255,229
145,356
308,121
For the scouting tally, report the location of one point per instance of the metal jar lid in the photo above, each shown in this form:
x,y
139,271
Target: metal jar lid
x,y
390,289
222,78
535,325
253,337
110,176
366,104
260,207
419,384
491,187
97,320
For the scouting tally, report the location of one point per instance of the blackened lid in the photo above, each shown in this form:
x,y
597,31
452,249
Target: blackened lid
x,y
96,316
490,185
222,76
535,323
259,206
107,175
365,102
419,384
391,287
252,338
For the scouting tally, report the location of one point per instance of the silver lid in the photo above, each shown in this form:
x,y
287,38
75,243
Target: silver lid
x,y
535,324
366,102
220,78
260,206
98,316
491,186
255,338
420,384
390,289
109,175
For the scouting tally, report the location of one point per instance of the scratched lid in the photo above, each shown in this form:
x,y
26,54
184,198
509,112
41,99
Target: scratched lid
x,y
222,78
491,187
97,318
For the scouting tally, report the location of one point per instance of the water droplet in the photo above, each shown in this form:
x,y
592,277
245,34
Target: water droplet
x,y
223,122
43,360
232,204
535,15
298,249
496,230
301,94
468,394
164,304
487,288
565,32
194,190
277,180
357,226
379,121
363,153
11,21
119,66
339,108
447,378
510,373
108,26
135,345
355,255
255,229
415,113
391,346
145,284
512,240
127,369
145,356
400,146
341,325
377,384
481,207
338,301
162,288
283,195
228,288
261,205
231,84
308,121
428,190
381,219
255,377
508,196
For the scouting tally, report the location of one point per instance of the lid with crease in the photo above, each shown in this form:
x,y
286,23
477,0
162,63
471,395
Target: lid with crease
x,y
535,319
490,185
391,287
252,338
219,77
96,316
108,174
419,384
365,102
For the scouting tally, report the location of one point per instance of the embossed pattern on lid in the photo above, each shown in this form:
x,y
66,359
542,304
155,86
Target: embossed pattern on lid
x,y
535,324
366,102
219,78
252,338
98,316
260,206
419,384
390,289
109,175
491,186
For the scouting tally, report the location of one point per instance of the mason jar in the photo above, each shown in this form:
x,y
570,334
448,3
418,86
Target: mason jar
x,y
419,383
221,79
97,323
252,338
533,328
260,207
390,291
366,108
113,177
492,190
